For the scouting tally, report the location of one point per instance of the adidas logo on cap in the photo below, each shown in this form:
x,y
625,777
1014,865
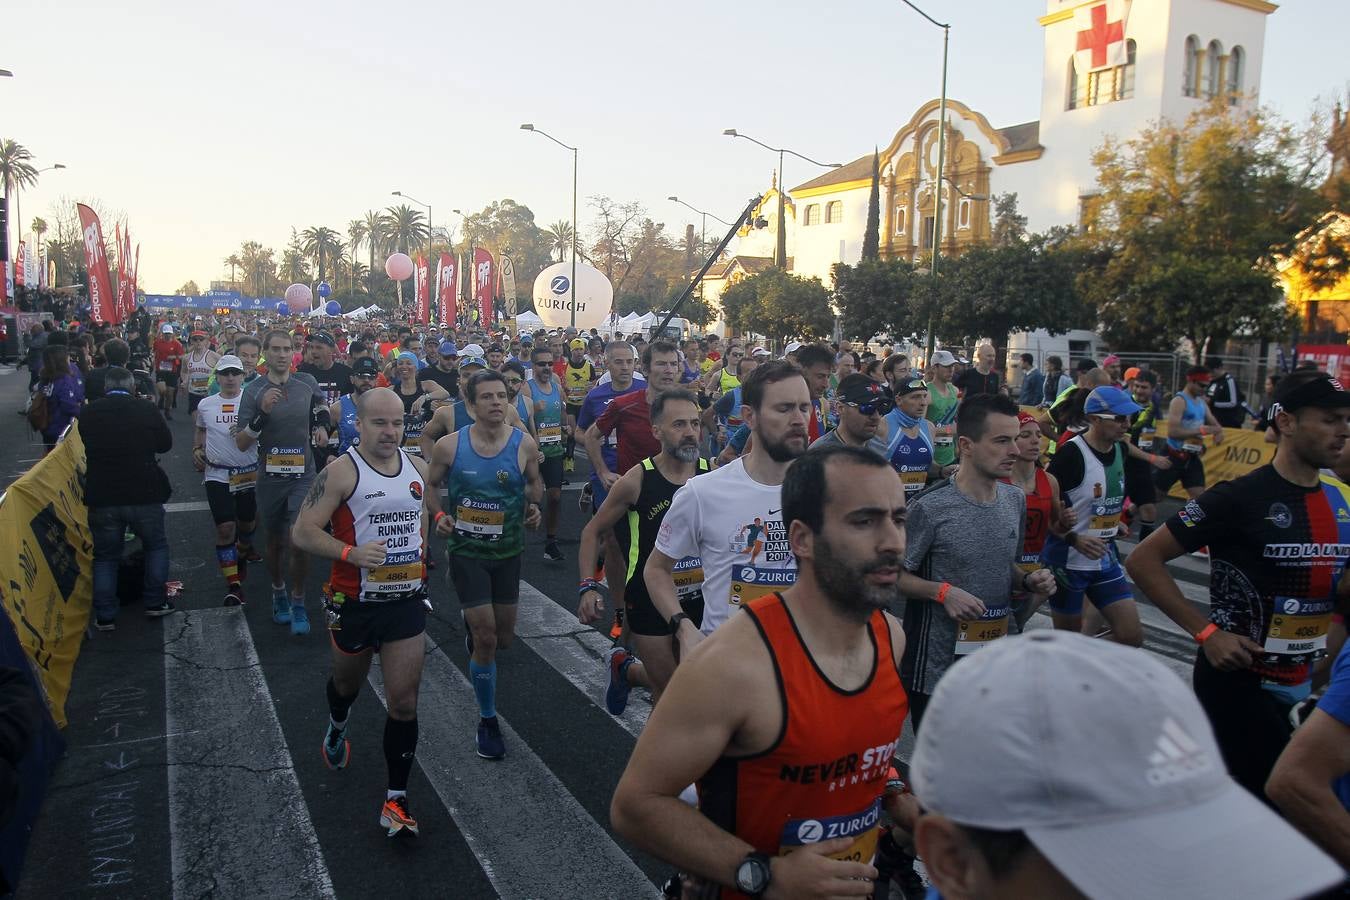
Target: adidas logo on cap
x,y
1177,756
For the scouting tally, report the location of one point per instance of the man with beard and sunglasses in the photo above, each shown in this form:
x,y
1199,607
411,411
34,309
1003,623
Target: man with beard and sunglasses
x,y
642,496
732,518
862,404
816,676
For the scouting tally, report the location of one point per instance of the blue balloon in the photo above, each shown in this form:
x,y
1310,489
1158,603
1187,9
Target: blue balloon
x,y
325,289
332,307
283,309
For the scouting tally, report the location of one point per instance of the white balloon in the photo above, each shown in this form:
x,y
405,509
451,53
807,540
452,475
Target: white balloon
x,y
553,296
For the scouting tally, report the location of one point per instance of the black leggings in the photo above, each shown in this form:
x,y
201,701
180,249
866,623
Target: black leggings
x,y
1251,723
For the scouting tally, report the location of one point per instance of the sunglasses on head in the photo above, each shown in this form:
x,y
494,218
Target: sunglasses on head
x,y
1108,417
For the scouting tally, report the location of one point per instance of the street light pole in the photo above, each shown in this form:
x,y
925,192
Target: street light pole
x,y
702,213
942,153
528,127
780,251
428,262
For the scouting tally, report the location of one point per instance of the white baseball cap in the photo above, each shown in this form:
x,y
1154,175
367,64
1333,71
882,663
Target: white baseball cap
x,y
166,328
472,350
1106,761
792,347
229,361
943,358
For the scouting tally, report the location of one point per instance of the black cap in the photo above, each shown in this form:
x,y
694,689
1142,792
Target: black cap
x,y
858,388
366,366
1320,392
322,337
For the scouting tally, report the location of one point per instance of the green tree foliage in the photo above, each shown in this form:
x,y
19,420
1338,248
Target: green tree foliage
x,y
871,248
1009,224
875,297
1189,222
779,305
507,226
189,289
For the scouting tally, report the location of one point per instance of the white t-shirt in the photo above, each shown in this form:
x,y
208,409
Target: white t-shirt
x,y
218,416
735,524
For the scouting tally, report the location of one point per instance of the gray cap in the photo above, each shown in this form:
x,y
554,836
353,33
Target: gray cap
x,y
943,358
1107,762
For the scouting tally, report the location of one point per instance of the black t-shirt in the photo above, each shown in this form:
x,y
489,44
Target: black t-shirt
x,y
971,382
334,382
1277,552
448,380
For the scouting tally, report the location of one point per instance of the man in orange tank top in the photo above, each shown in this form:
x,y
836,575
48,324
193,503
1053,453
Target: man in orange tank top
x,y
791,765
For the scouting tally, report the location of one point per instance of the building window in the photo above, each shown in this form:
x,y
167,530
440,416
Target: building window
x,y
900,219
834,212
1235,64
1190,85
1104,85
813,214
1089,212
926,241
963,213
1213,69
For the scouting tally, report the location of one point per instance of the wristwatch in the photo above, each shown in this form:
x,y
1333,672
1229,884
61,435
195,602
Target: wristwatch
x,y
675,621
752,875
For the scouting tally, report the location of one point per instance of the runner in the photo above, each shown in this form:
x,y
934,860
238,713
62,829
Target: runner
x,y
494,488
910,439
417,397
230,476
732,518
458,415
862,403
723,418
642,496
200,363
1043,509
168,359
815,362
1139,487
516,377
542,397
249,350
376,594
343,412
1278,540
284,414
964,542
333,378
791,764
942,402
578,377
1090,470
1189,419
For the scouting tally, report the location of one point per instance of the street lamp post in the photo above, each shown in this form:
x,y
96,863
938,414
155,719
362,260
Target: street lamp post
x,y
705,216
780,250
529,127
942,153
427,206
18,216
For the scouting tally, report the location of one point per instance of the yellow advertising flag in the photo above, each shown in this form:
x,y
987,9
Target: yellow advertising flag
x,y
46,573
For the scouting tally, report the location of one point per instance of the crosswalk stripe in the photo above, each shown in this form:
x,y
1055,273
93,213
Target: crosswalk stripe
x,y
229,767
575,651
498,806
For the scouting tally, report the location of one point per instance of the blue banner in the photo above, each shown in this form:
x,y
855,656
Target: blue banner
x,y
230,300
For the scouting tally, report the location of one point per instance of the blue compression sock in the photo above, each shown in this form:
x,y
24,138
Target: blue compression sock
x,y
485,687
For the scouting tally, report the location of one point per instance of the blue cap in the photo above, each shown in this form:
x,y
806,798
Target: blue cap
x,y
527,338
448,348
1110,400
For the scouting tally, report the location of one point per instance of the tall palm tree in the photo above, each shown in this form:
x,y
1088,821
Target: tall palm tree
x,y
560,235
234,262
16,172
407,227
356,233
376,226
295,265
322,244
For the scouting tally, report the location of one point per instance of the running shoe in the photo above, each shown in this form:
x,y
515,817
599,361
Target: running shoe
x,y
163,609
396,818
235,597
490,743
552,553
299,620
616,630
616,695
281,607
337,750
105,624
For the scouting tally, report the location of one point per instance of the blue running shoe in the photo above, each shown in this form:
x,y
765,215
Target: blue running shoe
x,y
281,607
337,750
616,695
299,620
490,743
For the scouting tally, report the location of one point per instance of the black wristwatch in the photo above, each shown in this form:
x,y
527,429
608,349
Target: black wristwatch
x,y
675,621
752,875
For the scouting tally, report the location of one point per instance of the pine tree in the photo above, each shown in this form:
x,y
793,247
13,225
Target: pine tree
x,y
871,248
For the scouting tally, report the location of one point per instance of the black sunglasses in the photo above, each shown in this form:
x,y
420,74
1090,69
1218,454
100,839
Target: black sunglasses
x,y
879,407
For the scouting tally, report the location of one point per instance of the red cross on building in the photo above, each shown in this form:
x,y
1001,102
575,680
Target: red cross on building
x,y
1100,36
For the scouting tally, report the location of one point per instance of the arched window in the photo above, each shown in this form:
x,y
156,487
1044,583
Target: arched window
x,y
1236,59
1213,68
900,220
813,214
834,212
1190,85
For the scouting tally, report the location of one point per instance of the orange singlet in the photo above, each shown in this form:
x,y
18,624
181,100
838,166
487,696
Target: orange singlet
x,y
823,778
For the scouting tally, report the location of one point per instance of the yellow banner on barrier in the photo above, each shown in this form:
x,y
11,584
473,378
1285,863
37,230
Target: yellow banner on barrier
x,y
46,581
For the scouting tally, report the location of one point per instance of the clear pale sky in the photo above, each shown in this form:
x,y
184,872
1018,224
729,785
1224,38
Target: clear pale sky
x,y
212,124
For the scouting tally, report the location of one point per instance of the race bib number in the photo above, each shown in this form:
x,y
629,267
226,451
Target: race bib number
x,y
942,440
1028,562
688,574
285,461
1193,447
913,479
550,434
751,582
166,365
393,578
243,478
861,826
197,384
972,635
1104,524
1299,627
1146,438
474,519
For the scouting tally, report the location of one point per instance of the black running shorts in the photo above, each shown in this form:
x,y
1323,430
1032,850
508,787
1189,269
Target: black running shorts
x,y
479,582
367,626
227,507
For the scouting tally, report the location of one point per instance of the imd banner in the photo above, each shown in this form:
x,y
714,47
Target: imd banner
x,y
423,310
46,582
483,284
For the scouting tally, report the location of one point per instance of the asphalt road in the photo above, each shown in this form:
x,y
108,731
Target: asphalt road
x,y
194,765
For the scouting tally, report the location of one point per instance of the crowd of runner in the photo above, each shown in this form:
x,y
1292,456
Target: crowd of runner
x,y
794,555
